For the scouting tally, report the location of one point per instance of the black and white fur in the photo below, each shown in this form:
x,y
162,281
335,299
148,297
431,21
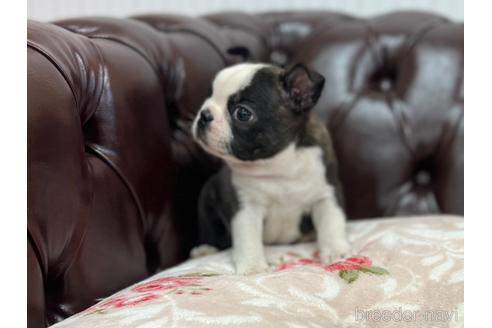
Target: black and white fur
x,y
280,167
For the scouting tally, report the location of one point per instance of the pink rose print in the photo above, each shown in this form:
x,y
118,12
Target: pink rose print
x,y
149,291
348,268
121,301
350,263
297,262
165,283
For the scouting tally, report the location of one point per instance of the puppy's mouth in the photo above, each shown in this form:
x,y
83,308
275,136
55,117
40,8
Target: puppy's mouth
x,y
216,148
216,151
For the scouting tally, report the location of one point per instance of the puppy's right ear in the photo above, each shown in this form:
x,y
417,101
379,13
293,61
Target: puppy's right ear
x,y
303,86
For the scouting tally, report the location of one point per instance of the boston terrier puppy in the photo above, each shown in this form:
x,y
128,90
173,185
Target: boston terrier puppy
x,y
280,169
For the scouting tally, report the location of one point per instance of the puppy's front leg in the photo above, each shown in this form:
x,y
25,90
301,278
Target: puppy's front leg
x,y
247,240
329,221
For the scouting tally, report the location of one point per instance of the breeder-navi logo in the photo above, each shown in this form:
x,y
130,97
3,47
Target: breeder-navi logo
x,y
400,315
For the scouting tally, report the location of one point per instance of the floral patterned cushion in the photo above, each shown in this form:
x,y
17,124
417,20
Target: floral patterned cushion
x,y
406,271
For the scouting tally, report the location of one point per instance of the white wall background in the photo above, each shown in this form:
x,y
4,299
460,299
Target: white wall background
x,y
46,10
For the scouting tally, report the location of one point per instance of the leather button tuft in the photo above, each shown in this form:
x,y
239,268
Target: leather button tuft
x,y
279,57
423,178
385,85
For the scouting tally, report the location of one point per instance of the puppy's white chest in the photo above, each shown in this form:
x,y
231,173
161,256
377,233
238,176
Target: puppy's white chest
x,y
290,190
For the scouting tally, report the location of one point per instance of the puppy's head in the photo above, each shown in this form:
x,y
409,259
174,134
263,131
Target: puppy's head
x,y
256,110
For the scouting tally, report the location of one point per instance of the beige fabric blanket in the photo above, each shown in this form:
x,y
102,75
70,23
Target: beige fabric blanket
x,y
407,272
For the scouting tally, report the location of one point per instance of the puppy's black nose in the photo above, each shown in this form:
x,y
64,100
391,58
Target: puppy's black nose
x,y
206,116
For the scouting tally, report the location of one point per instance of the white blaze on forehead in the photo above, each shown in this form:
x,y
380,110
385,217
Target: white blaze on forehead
x,y
233,79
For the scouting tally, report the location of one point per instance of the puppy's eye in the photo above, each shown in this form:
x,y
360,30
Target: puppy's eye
x,y
242,114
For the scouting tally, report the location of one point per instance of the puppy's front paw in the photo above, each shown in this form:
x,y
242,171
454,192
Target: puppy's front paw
x,y
335,250
202,250
251,266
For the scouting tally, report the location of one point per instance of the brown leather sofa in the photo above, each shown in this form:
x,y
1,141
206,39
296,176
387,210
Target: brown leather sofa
x,y
113,175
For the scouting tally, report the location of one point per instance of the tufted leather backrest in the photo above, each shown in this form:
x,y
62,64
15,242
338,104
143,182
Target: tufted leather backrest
x,y
113,174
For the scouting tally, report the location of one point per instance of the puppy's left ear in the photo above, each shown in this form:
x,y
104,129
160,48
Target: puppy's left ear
x,y
303,86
